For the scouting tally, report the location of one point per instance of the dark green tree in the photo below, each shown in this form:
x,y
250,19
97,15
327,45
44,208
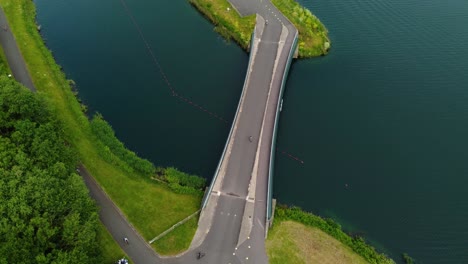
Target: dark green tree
x,y
46,214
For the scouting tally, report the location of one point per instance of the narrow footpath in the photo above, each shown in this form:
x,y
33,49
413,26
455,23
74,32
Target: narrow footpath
x,y
116,223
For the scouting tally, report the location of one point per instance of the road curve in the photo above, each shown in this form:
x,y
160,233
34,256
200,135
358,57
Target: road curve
x,y
116,223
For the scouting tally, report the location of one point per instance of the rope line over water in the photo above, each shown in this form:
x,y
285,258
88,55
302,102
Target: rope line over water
x,y
160,69
171,87
290,155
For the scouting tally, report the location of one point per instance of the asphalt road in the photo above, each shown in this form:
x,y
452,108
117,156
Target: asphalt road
x,y
13,55
224,242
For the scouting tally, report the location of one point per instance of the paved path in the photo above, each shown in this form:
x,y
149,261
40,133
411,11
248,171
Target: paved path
x,y
13,55
114,220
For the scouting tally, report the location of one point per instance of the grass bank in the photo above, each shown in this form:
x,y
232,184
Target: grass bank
x,y
313,36
150,205
295,228
4,69
227,21
293,242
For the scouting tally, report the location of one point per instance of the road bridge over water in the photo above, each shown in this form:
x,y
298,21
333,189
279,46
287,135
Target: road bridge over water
x,y
237,208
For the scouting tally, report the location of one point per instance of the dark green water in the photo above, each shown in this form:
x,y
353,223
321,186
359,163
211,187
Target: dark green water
x,y
385,114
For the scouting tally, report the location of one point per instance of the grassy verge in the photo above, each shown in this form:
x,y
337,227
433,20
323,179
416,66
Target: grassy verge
x,y
151,206
4,69
227,21
313,38
188,229
327,226
293,242
111,252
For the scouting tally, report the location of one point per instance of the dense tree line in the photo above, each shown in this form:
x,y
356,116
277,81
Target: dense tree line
x,y
46,215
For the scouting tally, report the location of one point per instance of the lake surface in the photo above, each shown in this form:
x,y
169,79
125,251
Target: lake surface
x,y
381,123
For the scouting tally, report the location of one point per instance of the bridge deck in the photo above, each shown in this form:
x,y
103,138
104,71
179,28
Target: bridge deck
x,y
232,223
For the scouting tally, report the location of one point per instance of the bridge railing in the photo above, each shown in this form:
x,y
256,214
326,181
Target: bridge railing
x,y
215,177
273,140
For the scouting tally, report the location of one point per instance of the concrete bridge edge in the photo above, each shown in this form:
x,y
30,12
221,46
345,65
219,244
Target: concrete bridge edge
x,y
269,218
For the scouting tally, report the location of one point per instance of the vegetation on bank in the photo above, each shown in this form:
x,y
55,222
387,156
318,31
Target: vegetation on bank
x,y
357,244
407,259
4,69
295,243
181,182
313,36
46,214
228,23
113,150
150,205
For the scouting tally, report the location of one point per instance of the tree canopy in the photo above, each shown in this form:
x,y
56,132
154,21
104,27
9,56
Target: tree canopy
x,y
46,214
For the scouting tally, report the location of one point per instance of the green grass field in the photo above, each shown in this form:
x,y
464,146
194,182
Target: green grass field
x,y
290,242
150,206
165,244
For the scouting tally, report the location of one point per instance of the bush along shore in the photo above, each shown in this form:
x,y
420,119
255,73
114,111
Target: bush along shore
x,y
313,36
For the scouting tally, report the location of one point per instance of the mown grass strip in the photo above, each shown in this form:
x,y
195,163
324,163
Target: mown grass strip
x,y
165,244
4,69
151,207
